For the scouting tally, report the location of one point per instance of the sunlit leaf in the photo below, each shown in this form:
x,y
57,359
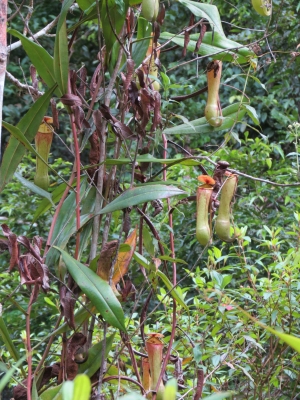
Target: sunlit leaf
x,y
82,387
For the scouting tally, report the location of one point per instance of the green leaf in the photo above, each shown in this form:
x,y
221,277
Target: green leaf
x,y
34,393
40,58
45,204
231,115
252,114
148,158
215,49
7,377
95,356
63,14
170,390
207,11
85,4
61,58
134,196
28,125
220,396
97,290
176,260
15,131
82,388
34,188
8,343
140,46
53,393
113,14
67,390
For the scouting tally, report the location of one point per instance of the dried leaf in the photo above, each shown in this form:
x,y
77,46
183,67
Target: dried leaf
x,y
82,85
130,70
203,28
156,116
161,15
124,258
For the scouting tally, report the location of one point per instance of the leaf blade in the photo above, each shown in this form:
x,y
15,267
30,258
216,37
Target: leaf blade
x,y
98,291
134,196
28,125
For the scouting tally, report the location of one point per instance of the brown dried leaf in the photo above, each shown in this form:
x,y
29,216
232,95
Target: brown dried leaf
x,y
145,102
67,302
71,100
161,15
95,78
73,79
12,246
124,258
130,70
140,75
123,131
203,28
156,116
34,79
78,116
107,255
98,120
82,85
187,35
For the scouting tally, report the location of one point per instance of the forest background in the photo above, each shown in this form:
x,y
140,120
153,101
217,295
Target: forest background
x,y
221,308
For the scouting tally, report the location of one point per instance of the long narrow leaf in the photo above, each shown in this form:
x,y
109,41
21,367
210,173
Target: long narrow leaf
x,y
40,58
207,11
132,197
97,290
34,188
15,131
28,125
61,59
7,340
7,377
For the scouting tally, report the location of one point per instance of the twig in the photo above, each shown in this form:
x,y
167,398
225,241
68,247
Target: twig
x,y
40,33
34,92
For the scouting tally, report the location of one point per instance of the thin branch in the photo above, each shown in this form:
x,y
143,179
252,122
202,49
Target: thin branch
x,y
34,92
40,33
